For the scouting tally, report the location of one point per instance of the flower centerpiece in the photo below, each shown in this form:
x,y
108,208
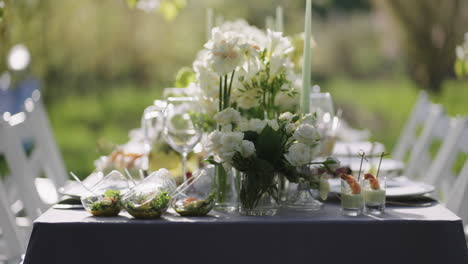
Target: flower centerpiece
x,y
263,150
243,72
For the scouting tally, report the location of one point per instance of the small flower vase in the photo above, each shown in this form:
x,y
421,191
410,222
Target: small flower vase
x,y
226,189
258,195
303,198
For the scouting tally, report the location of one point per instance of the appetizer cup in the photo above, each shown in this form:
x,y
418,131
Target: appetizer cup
x,y
374,195
352,201
151,197
103,199
196,196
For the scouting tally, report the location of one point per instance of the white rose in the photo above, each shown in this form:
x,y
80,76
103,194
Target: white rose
x,y
214,141
273,124
307,134
247,148
299,154
286,117
309,119
230,142
227,116
290,128
256,125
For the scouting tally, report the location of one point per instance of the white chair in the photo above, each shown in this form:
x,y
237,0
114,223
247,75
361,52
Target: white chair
x,y
36,176
459,195
435,128
440,173
409,134
20,171
12,239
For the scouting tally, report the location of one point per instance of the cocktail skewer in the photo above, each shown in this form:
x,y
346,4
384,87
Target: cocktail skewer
x,y
380,162
362,154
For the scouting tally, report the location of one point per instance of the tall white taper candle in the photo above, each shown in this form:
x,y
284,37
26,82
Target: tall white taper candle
x,y
279,19
209,22
306,67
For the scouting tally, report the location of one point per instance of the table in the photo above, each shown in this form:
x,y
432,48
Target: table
x,y
403,235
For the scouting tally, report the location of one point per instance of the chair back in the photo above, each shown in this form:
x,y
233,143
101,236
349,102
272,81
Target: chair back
x,y
32,156
13,245
409,133
435,130
453,188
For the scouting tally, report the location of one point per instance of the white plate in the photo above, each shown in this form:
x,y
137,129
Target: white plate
x,y
388,166
395,188
347,149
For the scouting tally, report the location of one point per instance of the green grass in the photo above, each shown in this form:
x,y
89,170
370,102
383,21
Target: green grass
x,y
382,106
80,121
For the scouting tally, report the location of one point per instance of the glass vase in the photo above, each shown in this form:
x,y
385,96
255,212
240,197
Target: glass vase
x,y
226,189
258,194
303,198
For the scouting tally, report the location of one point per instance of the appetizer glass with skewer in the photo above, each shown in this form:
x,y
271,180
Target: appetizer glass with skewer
x,y
103,199
374,193
352,201
196,196
151,197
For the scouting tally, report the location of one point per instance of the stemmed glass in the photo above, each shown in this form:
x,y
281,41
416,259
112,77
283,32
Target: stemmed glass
x,y
327,122
183,126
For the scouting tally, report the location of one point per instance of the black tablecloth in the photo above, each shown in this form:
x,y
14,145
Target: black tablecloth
x,y
403,235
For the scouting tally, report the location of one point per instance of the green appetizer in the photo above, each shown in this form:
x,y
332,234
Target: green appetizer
x,y
191,206
147,206
104,205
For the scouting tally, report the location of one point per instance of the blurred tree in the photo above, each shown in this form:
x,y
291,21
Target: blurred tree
x,y
429,31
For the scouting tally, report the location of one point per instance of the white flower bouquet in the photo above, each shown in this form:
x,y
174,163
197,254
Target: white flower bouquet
x,y
261,149
248,69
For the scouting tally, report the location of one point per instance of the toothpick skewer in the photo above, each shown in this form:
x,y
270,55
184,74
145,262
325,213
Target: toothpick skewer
x,y
129,176
380,162
82,184
362,154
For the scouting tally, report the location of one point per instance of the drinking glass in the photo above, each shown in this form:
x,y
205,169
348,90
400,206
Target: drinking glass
x,y
351,203
322,105
374,195
152,121
183,126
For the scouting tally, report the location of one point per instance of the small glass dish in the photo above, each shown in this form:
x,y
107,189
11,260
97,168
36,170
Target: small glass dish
x,y
374,192
103,199
151,197
352,202
196,196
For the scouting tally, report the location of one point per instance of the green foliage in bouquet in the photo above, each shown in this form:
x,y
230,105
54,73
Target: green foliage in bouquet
x,y
268,87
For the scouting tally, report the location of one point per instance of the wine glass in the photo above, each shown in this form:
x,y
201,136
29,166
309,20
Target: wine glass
x,y
327,122
183,125
152,121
